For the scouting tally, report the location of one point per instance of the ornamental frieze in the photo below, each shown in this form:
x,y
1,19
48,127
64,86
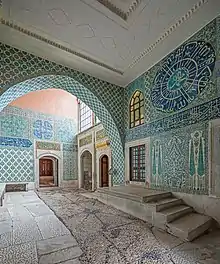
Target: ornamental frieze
x,y
85,141
48,145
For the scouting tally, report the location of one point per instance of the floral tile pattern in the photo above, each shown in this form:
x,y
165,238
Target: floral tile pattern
x,y
181,96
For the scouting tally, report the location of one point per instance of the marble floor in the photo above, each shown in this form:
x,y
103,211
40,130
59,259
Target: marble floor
x,y
30,233
65,227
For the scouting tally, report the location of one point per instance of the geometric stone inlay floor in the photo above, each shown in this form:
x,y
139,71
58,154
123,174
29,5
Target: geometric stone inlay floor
x,y
109,236
62,226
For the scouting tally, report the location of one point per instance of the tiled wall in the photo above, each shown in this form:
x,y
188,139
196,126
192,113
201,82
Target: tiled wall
x,y
19,129
21,72
177,112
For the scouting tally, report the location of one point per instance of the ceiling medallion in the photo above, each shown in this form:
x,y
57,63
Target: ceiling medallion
x,y
183,76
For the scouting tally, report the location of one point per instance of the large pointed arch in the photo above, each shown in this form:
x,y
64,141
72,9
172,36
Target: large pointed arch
x,y
87,96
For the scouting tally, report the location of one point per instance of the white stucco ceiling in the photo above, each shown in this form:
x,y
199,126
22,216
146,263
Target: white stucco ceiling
x,y
115,40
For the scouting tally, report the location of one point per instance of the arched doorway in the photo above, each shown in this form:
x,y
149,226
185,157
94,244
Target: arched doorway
x,y
86,170
48,172
104,168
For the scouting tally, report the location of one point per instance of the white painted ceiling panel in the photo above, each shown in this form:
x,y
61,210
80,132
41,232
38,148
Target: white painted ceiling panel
x,y
92,29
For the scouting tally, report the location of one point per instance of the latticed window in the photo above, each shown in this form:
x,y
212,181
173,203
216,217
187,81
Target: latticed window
x,y
137,109
137,163
86,117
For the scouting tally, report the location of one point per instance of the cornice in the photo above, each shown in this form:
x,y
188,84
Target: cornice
x,y
168,32
147,51
29,33
113,8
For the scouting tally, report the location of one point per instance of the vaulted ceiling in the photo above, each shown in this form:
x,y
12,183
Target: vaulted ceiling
x,y
115,40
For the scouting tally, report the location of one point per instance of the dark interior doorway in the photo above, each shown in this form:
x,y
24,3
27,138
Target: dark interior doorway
x,y
104,171
48,172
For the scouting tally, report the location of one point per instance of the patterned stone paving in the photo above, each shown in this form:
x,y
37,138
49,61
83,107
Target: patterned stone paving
x,y
109,236
72,229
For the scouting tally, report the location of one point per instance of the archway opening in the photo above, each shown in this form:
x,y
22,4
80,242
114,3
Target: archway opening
x,y
89,96
86,170
48,172
104,168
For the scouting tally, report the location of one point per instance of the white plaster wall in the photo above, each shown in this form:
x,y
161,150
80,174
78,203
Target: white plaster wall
x,y
202,204
128,145
214,158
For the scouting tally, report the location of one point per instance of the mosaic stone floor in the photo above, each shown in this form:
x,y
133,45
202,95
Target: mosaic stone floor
x,y
33,232
109,236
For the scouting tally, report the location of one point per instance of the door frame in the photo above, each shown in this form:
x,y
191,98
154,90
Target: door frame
x,y
54,168
81,169
128,145
100,169
59,170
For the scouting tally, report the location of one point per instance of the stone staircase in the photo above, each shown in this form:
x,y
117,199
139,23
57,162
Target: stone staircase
x,y
179,219
161,209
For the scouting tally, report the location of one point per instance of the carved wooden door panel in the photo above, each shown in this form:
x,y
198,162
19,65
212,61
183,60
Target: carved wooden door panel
x,y
104,171
46,167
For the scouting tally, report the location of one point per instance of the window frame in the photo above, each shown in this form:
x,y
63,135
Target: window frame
x,y
134,107
85,117
137,158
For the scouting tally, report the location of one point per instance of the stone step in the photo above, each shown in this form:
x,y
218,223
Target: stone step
x,y
189,226
160,219
129,196
156,197
165,203
175,212
137,194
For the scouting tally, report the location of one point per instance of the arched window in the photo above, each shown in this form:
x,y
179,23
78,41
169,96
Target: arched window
x,y
137,109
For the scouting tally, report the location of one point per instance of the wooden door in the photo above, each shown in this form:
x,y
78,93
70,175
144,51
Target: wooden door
x,y
46,167
104,171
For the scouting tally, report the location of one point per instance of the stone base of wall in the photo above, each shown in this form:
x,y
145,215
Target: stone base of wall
x,y
30,185
64,184
70,184
203,204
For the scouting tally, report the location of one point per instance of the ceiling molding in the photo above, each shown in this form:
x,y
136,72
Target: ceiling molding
x,y
57,45
168,32
181,27
122,14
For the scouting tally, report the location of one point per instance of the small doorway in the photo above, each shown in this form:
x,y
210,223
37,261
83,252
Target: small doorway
x,y
104,168
48,172
86,170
